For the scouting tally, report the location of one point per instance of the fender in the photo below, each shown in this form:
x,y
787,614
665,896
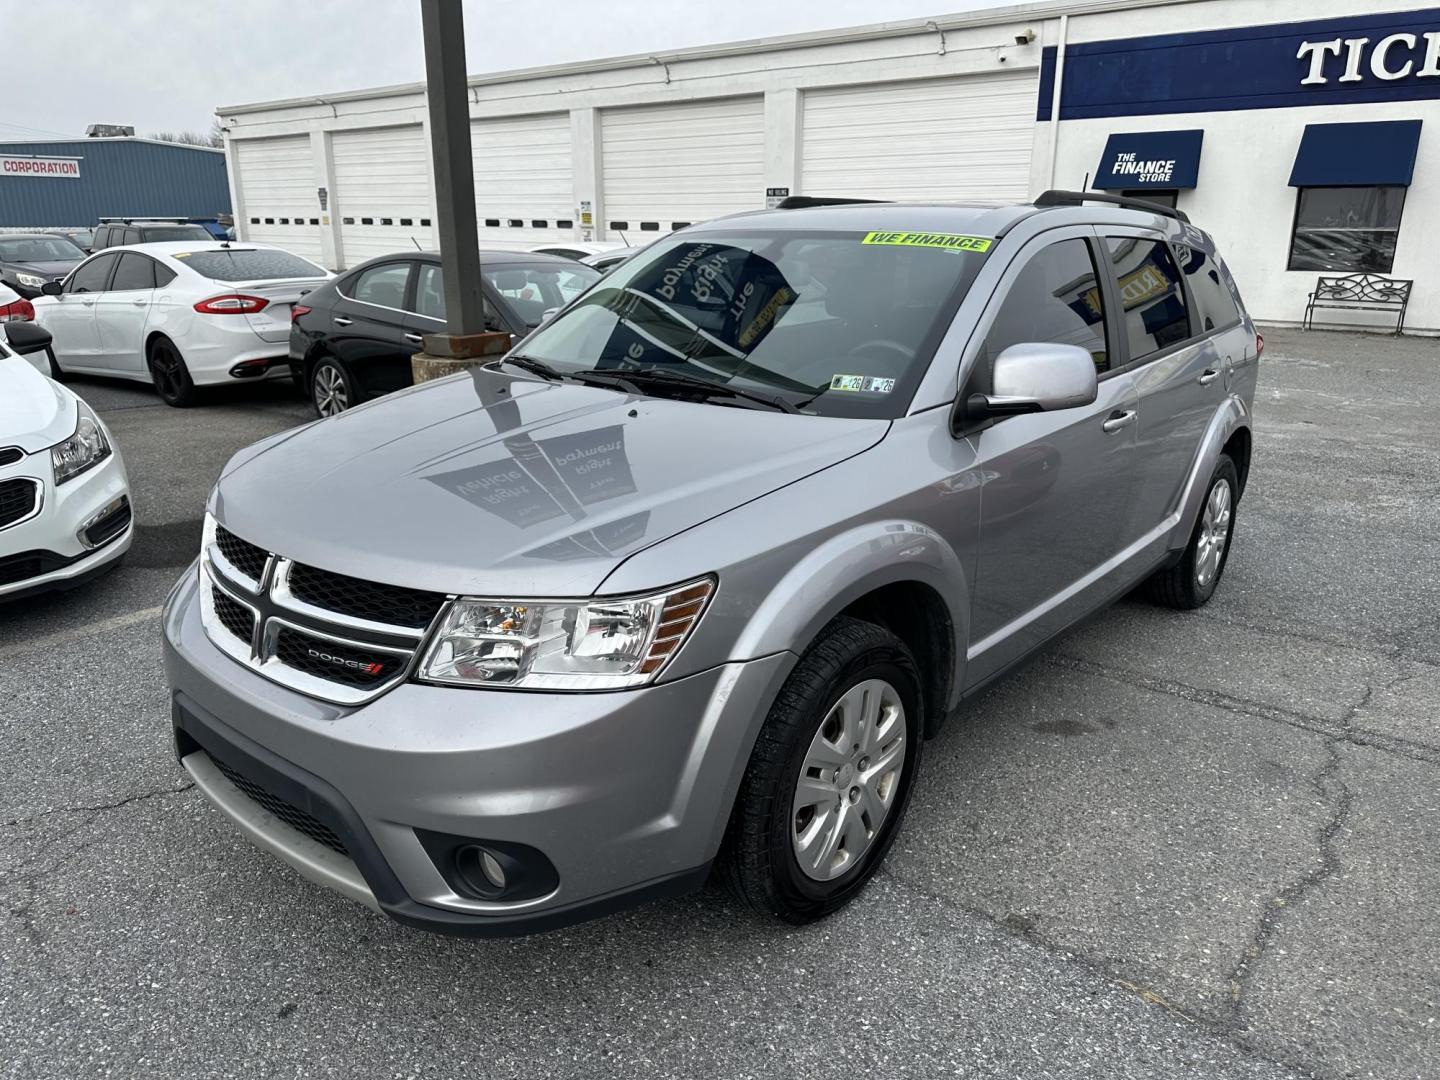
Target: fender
x,y
844,568
1230,416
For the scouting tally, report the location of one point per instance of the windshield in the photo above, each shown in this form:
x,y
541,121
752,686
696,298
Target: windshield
x,y
839,324
535,289
31,249
154,233
248,264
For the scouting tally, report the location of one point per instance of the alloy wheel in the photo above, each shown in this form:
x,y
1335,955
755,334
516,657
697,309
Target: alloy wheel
x,y
849,780
164,372
1214,532
329,391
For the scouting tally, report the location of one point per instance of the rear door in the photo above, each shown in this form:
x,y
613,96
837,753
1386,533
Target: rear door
x,y
1176,366
122,311
71,317
370,328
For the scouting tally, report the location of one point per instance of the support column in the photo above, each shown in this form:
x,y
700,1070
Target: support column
x,y
332,249
782,141
588,174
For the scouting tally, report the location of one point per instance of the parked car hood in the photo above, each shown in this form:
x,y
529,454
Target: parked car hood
x,y
487,484
34,412
44,269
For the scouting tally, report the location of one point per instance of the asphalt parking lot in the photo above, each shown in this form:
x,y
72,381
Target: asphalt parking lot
x,y
1177,844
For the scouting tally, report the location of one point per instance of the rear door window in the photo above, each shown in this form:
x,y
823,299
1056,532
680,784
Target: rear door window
x,y
131,236
133,272
1055,299
383,285
1149,284
1215,307
90,277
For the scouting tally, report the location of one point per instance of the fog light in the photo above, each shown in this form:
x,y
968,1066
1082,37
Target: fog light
x,y
497,870
493,871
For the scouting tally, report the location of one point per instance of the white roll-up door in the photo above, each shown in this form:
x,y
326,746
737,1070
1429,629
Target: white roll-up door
x,y
524,180
382,192
952,139
278,188
664,166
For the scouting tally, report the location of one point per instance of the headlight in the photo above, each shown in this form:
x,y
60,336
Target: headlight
x,y
83,450
595,644
33,280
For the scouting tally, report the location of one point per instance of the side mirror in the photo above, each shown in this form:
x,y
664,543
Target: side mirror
x,y
1037,377
52,288
27,337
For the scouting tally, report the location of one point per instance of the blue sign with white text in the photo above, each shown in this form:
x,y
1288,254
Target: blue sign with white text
x,y
1150,159
1393,56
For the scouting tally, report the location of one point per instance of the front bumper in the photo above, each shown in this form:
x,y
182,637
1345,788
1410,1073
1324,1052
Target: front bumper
x,y
626,794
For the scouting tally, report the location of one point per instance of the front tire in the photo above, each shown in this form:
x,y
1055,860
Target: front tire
x,y
830,776
1191,582
170,375
332,388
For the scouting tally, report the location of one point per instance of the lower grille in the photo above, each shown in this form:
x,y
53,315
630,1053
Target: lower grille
x,y
234,616
324,659
293,816
29,564
17,499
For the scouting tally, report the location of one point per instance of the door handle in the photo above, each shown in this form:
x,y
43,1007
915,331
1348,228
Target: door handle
x,y
1117,420
1208,376
140,303
414,337
340,320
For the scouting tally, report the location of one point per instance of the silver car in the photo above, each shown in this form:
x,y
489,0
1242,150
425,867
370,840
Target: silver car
x,y
684,583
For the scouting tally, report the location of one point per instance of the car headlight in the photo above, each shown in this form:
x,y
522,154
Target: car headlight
x,y
601,643
85,449
33,280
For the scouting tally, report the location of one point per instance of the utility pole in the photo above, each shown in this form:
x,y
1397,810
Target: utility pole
x,y
465,341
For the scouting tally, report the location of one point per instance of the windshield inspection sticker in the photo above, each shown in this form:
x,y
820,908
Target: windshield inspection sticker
x,y
946,241
861,384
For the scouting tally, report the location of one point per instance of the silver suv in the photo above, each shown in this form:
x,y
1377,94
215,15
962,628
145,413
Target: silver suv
x,y
684,583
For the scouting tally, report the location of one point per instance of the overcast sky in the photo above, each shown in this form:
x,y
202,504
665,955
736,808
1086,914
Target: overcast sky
x,y
167,64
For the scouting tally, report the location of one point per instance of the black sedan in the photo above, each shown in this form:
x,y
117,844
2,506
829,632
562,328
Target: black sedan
x,y
352,338
29,260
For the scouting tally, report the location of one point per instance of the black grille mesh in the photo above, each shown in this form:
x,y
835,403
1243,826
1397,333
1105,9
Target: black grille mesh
x,y
371,600
27,564
10,454
363,668
296,818
233,616
17,498
245,557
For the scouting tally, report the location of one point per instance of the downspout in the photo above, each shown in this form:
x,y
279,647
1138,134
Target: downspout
x,y
1055,99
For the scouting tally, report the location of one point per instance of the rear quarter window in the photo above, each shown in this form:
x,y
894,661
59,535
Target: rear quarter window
x,y
1216,308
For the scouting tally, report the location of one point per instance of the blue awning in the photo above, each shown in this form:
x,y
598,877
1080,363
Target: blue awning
x,y
1373,154
1150,159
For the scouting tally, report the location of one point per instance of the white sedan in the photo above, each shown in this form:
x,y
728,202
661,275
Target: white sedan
x,y
65,512
178,315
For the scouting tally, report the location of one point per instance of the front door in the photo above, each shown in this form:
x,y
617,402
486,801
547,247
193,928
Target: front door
x,y
121,312
70,317
1055,486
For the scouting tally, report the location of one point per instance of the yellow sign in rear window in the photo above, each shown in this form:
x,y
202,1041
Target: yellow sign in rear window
x,y
945,241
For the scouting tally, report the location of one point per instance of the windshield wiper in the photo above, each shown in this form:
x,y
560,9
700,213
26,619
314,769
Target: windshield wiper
x,y
532,365
654,377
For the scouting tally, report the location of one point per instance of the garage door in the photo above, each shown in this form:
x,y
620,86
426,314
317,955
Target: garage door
x,y
382,192
524,180
277,184
965,138
670,165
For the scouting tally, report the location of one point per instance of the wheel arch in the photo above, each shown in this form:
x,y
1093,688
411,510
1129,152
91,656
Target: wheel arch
x,y
1229,429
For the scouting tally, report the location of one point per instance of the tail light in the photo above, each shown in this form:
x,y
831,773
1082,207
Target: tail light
x,y
20,310
232,304
297,311
1259,346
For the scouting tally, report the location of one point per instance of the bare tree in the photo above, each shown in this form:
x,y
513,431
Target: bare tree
x,y
192,138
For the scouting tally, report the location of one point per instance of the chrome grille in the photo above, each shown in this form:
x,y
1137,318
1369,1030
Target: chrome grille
x,y
330,636
19,500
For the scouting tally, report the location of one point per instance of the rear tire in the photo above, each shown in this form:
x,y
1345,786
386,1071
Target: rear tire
x,y
1191,582
829,778
332,388
170,375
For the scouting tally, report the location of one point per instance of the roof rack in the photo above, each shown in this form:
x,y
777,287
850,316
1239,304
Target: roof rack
x,y
1077,198
800,202
143,218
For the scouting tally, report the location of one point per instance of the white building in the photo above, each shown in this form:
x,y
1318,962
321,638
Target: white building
x,y
1293,131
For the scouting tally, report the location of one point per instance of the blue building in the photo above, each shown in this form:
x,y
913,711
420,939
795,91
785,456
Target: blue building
x,y
73,183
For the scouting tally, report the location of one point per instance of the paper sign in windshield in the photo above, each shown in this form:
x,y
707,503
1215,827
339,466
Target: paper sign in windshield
x,y
944,241
861,384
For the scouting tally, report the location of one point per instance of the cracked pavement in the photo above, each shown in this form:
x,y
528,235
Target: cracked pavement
x,y
1175,844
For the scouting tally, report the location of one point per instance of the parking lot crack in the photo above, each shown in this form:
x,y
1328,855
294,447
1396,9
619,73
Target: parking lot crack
x,y
96,810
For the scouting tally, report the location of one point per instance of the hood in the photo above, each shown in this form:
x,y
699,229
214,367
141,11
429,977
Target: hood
x,y
45,269
488,484
34,412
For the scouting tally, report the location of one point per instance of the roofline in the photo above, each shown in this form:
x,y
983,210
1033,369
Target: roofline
x,y
111,139
1045,9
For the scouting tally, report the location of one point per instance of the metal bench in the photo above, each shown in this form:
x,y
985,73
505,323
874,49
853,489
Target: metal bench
x,y
1369,292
